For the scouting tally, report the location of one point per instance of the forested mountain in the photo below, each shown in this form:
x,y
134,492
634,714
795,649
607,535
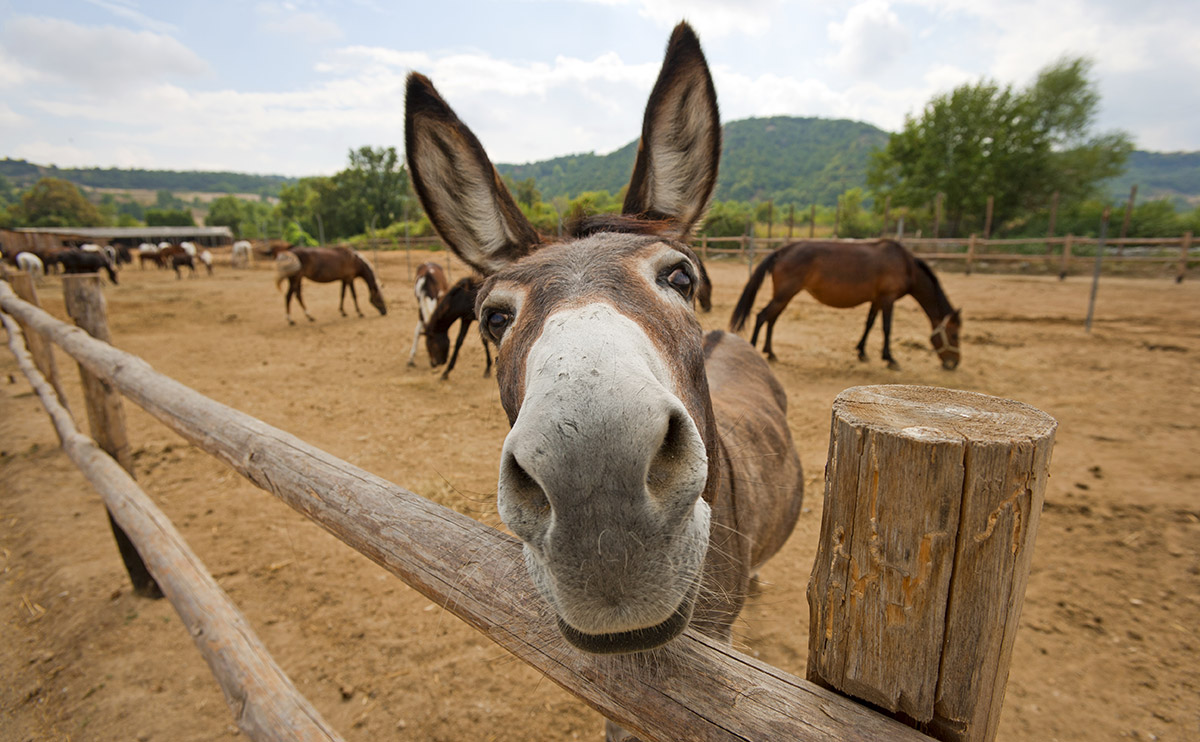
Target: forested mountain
x,y
799,160
1174,175
24,174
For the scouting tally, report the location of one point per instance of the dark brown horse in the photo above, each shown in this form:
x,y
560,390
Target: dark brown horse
x,y
846,274
458,305
75,260
431,285
325,265
649,469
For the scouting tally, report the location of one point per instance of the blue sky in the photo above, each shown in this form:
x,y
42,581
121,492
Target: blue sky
x,y
290,87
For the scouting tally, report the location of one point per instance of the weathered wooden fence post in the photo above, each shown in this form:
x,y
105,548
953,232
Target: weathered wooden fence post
x,y
932,500
1185,247
39,348
85,303
970,253
1066,256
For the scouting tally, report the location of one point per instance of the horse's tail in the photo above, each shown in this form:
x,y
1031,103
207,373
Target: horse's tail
x,y
746,301
286,266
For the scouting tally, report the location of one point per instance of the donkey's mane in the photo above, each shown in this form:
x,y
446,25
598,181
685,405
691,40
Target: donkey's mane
x,y
586,226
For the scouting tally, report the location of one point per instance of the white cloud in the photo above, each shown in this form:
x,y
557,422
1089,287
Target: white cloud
x,y
98,59
288,20
10,119
128,11
869,39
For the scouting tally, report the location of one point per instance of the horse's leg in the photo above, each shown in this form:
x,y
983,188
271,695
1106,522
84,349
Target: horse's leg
x,y
354,296
287,303
342,300
412,354
463,324
300,298
769,314
887,337
862,344
488,353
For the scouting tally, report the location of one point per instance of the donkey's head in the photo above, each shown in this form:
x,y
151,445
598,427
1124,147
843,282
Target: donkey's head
x,y
605,474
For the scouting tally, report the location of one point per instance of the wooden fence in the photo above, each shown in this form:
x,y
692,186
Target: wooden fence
x,y
695,688
1054,254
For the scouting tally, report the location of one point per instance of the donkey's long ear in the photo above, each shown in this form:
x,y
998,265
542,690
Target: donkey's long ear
x,y
458,186
676,167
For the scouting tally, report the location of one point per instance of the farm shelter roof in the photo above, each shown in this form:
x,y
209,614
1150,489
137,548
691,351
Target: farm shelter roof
x,y
122,233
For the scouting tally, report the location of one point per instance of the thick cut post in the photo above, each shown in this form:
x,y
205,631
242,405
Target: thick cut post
x,y
39,348
85,303
932,499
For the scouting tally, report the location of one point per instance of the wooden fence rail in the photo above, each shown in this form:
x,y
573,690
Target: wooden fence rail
x,y
264,702
694,689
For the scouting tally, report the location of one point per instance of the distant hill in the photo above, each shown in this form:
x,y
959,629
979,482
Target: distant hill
x,y
783,157
1173,175
24,174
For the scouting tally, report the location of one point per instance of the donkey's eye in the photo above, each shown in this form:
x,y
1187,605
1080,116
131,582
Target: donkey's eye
x,y
679,278
496,321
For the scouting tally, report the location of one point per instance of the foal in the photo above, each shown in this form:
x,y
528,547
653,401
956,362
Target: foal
x,y
458,305
430,286
649,469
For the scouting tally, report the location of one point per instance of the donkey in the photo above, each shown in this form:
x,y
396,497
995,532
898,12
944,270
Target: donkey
x,y
430,286
649,468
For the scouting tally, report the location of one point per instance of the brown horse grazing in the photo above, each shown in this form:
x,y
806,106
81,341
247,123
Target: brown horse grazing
x,y
325,265
846,274
181,259
431,285
458,305
649,469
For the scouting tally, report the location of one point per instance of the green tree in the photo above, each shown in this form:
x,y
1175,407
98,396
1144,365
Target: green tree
x,y
53,202
378,177
1018,146
169,218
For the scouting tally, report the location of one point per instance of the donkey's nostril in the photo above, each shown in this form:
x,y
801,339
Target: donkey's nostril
x,y
523,501
674,465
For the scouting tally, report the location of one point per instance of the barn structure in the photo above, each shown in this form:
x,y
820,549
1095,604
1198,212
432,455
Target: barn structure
x,y
40,238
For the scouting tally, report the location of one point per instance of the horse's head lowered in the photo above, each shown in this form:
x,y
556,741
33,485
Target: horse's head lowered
x,y
945,339
605,474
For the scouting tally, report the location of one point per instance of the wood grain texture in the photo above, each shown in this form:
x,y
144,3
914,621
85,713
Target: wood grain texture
x,y
931,505
42,351
265,704
693,689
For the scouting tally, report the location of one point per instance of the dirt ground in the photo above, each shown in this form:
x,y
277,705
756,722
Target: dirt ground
x,y
1109,645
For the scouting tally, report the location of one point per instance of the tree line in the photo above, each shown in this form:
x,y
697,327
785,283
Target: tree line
x,y
982,157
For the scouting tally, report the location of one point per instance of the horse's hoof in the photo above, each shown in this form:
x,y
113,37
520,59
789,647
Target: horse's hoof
x,y
893,366
310,319
772,357
291,322
412,364
862,357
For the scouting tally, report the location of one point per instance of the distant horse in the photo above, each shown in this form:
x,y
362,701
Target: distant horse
x,y
844,275
181,259
149,252
32,265
240,257
325,265
431,285
458,305
80,261
206,258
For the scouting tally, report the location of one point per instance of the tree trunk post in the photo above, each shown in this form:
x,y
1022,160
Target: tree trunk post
x,y
1087,325
1053,219
1066,256
1185,247
39,348
750,246
85,304
987,222
887,213
1125,223
937,215
971,253
932,500
704,248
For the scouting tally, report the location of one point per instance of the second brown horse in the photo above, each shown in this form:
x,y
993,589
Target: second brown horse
x,y
846,274
325,265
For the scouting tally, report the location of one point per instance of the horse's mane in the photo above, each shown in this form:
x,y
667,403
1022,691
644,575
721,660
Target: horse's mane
x,y
938,293
363,265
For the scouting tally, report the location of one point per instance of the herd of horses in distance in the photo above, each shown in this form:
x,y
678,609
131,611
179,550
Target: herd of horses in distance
x,y
618,473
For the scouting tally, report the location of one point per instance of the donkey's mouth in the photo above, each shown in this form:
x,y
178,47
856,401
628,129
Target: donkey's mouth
x,y
637,640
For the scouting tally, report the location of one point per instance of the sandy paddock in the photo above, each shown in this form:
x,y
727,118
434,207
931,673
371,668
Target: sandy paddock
x,y
1109,645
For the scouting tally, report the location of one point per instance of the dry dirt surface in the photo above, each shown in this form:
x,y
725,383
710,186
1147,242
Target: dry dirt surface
x,y
1109,644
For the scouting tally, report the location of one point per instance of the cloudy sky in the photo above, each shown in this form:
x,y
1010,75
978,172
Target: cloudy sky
x,y
289,87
